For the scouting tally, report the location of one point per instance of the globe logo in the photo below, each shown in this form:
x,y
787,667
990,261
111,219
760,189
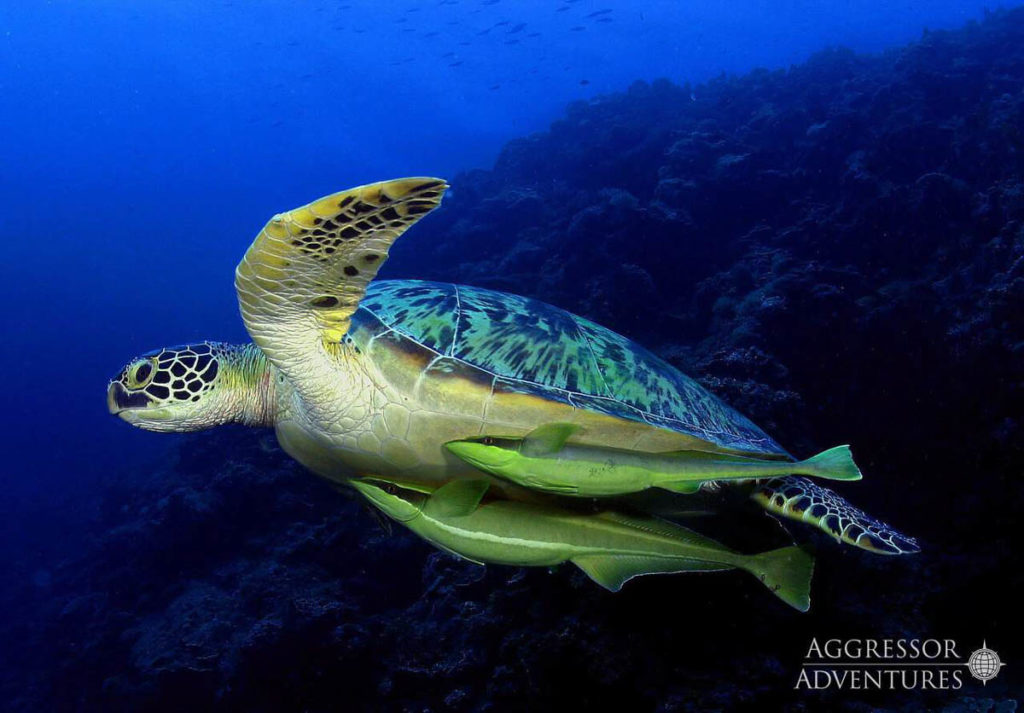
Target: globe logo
x,y
984,664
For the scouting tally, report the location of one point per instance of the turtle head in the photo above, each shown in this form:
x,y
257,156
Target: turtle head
x,y
192,387
399,501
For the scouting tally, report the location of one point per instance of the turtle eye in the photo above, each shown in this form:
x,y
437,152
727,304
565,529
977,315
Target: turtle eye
x,y
488,441
391,489
140,373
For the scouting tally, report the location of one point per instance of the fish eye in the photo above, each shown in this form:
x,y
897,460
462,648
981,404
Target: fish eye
x,y
140,373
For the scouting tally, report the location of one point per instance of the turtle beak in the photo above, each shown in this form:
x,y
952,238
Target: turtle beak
x,y
117,398
124,403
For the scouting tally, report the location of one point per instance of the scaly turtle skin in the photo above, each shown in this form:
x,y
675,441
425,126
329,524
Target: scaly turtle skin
x,y
360,379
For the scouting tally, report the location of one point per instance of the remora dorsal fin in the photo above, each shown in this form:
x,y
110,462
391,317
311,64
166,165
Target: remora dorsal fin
x,y
548,439
457,498
612,571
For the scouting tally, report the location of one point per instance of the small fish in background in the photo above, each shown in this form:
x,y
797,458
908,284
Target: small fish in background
x,y
584,82
578,28
598,13
430,34
456,64
563,8
518,28
495,87
534,34
446,55
605,19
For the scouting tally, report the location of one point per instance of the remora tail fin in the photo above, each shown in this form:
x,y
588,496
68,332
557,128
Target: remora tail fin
x,y
833,464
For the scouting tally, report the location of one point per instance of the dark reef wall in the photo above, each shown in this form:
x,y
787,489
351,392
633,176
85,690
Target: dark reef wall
x,y
836,249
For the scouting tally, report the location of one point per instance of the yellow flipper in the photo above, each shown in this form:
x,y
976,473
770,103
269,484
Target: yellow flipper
x,y
304,275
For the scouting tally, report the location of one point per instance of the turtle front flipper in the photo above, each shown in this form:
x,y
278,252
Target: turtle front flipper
x,y
305,273
804,500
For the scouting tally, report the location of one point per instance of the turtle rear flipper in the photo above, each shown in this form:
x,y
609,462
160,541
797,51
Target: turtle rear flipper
x,y
804,500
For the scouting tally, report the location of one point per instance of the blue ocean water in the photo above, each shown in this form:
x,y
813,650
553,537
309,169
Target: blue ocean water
x,y
142,146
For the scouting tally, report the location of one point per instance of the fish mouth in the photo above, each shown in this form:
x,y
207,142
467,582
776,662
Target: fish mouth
x,y
464,450
486,458
390,503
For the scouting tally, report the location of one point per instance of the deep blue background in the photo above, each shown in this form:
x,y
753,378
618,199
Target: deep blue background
x,y
859,281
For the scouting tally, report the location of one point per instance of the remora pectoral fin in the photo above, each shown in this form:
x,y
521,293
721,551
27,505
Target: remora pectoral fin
x,y
548,439
612,571
457,498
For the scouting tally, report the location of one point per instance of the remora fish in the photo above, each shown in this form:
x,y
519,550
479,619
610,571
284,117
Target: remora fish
x,y
543,460
609,547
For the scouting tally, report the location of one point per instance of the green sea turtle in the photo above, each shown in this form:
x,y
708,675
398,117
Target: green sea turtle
x,y
373,379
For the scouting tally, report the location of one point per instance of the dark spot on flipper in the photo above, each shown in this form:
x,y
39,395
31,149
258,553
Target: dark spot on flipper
x,y
363,208
182,395
371,258
853,532
351,270
832,523
905,545
349,233
390,214
324,302
802,504
428,185
817,510
345,201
